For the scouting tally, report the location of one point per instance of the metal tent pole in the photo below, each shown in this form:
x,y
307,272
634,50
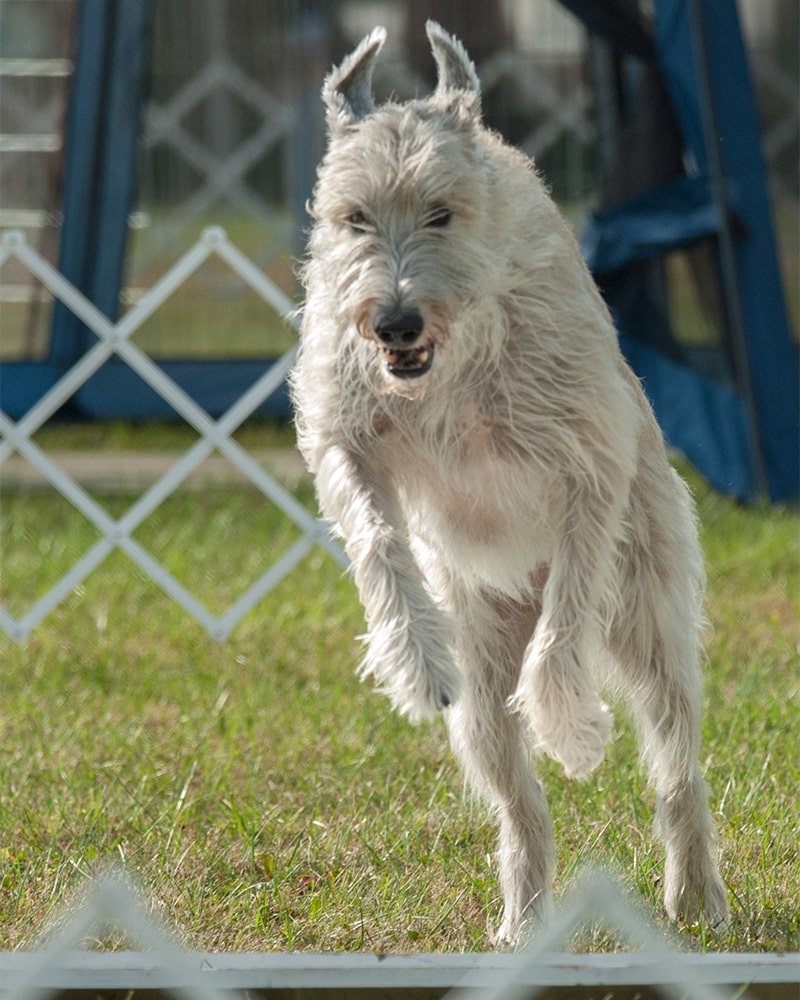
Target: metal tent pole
x,y
100,174
727,248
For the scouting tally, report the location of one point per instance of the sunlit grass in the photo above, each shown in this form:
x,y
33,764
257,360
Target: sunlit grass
x,y
267,800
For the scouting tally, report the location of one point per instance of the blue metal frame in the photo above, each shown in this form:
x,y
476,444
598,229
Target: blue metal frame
x,y
745,436
101,152
713,96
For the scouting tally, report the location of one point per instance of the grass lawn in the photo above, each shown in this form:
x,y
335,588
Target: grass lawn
x,y
266,800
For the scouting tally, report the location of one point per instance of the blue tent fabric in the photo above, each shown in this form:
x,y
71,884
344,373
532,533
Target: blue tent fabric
x,y
666,218
704,420
616,21
712,38
698,179
101,145
747,442
116,392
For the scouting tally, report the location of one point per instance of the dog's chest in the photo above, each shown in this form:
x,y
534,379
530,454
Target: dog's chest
x,y
474,495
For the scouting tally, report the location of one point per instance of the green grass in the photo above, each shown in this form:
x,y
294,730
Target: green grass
x,y
266,800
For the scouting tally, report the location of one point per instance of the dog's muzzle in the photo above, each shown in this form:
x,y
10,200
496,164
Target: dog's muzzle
x,y
399,334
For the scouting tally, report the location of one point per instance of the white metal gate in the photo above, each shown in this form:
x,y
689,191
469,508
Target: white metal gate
x,y
650,964
114,339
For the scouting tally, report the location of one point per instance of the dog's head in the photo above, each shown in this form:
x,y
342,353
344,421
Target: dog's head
x,y
401,209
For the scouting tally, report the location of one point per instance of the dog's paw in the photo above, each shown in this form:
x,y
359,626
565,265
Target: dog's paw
x,y
581,746
510,935
696,893
428,690
517,927
569,724
417,674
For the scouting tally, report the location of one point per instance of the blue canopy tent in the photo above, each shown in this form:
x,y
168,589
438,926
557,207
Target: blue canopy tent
x,y
688,177
691,173
98,187
99,193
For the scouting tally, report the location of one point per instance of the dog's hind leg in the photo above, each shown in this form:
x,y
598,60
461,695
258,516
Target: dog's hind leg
x,y
655,643
490,743
557,691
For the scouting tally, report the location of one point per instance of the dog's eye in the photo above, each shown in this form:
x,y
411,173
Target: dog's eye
x,y
438,218
358,222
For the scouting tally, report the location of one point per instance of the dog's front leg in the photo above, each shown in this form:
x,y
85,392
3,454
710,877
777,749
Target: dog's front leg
x,y
556,691
408,635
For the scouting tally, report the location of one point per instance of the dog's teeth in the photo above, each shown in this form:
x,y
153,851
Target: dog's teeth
x,y
423,357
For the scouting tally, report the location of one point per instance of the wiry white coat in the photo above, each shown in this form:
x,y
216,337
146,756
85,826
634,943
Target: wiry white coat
x,y
516,532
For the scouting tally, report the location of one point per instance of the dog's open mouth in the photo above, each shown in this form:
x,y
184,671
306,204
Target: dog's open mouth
x,y
410,363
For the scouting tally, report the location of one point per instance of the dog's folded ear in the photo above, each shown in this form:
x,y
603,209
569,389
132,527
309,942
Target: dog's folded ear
x,y
347,91
458,83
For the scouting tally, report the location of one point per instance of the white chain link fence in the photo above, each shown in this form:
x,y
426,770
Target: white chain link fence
x,y
654,967
115,339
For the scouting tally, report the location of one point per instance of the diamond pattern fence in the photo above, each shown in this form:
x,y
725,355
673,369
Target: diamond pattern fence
x,y
650,966
222,158
117,533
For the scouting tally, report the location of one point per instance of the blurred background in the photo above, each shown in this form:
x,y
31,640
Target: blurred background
x,y
128,129
231,130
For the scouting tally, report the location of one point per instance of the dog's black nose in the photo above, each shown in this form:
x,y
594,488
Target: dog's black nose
x,y
399,329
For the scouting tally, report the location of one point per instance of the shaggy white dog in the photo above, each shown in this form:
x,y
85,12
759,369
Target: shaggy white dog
x,y
517,535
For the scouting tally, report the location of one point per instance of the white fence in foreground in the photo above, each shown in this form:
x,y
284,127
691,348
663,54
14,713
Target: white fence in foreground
x,y
114,339
113,905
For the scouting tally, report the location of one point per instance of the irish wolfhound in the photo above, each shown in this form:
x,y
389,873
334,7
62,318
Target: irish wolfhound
x,y
517,535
